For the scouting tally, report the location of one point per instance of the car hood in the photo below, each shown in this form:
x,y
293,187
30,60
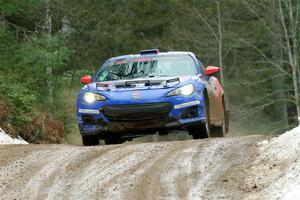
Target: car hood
x,y
141,83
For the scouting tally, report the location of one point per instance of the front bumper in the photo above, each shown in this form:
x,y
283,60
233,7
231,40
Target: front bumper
x,y
141,117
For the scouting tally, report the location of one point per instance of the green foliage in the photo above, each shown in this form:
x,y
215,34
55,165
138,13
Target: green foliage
x,y
20,99
12,7
86,33
24,58
37,54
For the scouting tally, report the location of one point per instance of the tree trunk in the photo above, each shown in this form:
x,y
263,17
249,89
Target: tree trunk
x,y
48,29
277,57
220,44
66,28
293,55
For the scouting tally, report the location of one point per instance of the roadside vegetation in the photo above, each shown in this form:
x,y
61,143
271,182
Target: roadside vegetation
x,y
47,45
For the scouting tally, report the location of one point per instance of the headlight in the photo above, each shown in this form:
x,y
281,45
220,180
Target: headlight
x,y
90,97
186,90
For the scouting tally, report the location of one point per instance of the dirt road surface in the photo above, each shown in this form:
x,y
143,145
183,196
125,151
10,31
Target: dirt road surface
x,y
226,168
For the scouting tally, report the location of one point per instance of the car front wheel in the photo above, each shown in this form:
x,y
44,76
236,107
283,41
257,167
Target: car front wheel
x,y
90,140
198,131
202,130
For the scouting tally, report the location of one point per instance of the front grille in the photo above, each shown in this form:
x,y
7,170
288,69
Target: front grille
x,y
140,112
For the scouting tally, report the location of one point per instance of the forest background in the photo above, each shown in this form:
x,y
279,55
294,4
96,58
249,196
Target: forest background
x,y
47,45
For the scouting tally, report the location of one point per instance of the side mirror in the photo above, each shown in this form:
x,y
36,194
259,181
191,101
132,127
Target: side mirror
x,y
211,70
86,79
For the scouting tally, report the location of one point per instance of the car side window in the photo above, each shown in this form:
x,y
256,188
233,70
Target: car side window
x,y
201,66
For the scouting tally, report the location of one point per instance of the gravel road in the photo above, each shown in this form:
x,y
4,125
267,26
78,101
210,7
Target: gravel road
x,y
221,168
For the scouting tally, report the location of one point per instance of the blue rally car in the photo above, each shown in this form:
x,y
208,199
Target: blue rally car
x,y
150,92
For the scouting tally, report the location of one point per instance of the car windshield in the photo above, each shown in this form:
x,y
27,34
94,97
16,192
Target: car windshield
x,y
147,67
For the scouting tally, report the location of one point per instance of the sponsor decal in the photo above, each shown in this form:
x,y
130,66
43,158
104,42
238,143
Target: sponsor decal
x,y
136,95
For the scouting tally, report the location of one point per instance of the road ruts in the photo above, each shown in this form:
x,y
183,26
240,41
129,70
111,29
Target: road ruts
x,y
191,169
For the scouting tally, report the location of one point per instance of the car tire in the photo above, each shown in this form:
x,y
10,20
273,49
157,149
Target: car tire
x,y
198,131
112,139
90,140
217,131
202,130
163,132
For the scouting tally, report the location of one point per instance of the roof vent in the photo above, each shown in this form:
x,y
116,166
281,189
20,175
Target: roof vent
x,y
150,51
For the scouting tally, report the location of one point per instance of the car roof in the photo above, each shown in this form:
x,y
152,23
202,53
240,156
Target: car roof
x,y
152,54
